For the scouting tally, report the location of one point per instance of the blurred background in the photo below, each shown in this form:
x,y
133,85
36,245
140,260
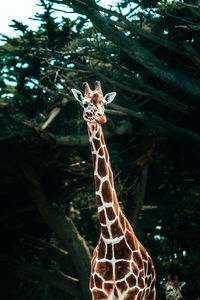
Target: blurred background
x,y
149,53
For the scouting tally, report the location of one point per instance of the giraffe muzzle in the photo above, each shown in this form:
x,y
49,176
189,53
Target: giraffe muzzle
x,y
101,119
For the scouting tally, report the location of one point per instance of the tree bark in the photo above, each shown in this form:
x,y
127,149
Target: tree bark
x,y
162,126
135,51
57,280
136,197
146,90
82,141
47,250
65,230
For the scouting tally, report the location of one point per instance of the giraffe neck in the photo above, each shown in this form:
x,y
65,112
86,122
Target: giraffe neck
x,y
111,217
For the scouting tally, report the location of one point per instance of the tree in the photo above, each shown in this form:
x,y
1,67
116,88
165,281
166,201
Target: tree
x,y
149,54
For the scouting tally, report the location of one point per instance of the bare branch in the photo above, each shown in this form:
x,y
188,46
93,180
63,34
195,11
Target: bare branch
x,y
58,280
142,89
82,141
64,228
53,114
49,250
153,120
138,53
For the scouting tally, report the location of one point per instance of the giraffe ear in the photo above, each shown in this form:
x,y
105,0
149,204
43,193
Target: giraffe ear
x,y
162,283
78,96
181,284
110,97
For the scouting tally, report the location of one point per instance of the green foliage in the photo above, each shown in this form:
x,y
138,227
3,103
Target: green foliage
x,y
23,67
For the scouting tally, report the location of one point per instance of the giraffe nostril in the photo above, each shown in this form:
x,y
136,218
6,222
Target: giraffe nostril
x,y
85,105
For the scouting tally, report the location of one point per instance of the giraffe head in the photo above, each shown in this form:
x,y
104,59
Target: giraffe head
x,y
93,103
173,288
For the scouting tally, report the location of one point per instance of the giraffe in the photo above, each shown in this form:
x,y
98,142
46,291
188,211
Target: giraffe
x,y
173,287
121,268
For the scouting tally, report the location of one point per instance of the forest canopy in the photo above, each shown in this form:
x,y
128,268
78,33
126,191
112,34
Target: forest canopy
x,y
149,53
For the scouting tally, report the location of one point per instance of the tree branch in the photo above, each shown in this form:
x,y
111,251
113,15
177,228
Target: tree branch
x,y
151,119
143,89
65,230
53,114
144,33
135,198
138,53
57,280
49,250
82,140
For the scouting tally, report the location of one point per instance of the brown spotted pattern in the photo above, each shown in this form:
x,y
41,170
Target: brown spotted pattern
x,y
173,288
121,268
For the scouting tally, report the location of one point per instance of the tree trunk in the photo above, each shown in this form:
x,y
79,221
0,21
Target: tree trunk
x,y
64,229
136,197
137,52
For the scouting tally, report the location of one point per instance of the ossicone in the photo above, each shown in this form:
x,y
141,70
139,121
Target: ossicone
x,y
87,89
78,96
